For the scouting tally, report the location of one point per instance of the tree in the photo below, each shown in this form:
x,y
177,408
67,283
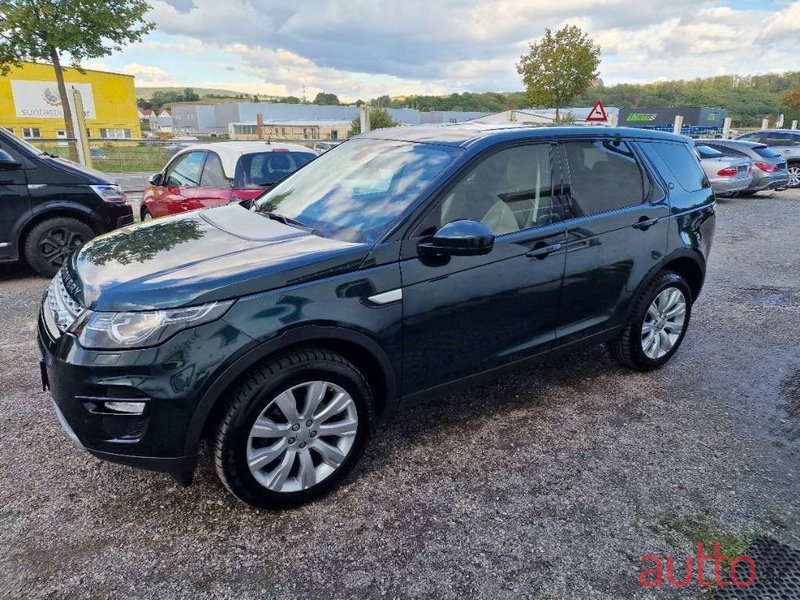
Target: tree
x,y
189,95
559,67
791,98
45,30
326,99
379,118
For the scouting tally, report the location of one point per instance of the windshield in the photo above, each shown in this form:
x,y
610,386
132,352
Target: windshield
x,y
707,152
354,191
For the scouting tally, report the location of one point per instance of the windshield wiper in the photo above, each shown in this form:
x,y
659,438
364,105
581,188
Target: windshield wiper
x,y
287,220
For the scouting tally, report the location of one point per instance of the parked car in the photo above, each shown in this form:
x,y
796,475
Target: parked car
x,y
785,142
768,167
202,176
324,146
50,206
391,268
726,174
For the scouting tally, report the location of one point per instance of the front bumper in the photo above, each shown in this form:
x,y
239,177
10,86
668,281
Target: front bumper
x,y
167,379
114,215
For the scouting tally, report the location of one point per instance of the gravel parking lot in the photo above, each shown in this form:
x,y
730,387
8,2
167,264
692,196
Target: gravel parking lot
x,y
550,483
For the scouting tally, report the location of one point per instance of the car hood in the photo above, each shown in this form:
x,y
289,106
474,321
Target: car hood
x,y
75,173
215,254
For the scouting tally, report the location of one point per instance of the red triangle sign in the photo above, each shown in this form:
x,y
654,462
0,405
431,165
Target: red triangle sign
x,y
597,114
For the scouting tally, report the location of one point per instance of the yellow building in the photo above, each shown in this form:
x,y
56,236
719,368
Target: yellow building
x,y
31,107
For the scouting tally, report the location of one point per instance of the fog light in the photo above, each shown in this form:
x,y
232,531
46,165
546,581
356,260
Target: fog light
x,y
128,408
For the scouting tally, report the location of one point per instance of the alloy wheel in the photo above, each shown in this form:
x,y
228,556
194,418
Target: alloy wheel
x,y
663,323
57,244
794,175
303,435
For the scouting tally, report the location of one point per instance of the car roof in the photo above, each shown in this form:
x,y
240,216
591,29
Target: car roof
x,y
229,152
745,143
467,134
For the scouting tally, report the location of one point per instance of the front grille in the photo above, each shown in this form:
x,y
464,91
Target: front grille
x,y
63,308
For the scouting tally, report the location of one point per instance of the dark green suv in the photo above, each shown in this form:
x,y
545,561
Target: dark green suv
x,y
387,270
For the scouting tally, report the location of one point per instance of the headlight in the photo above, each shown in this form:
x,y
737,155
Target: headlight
x,y
114,330
109,193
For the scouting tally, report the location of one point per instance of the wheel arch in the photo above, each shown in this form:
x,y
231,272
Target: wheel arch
x,y
366,354
686,263
64,210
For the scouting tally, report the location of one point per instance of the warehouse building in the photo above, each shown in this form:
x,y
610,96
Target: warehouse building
x,y
30,105
291,130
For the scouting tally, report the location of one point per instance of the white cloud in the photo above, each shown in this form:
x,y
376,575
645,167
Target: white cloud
x,y
363,48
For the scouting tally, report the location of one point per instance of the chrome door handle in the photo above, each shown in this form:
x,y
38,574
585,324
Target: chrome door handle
x,y
543,251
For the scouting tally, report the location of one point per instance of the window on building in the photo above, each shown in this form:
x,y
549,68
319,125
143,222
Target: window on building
x,y
334,134
31,132
115,133
604,175
9,129
508,191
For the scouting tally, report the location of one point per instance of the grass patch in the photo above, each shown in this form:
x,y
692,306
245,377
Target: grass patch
x,y
700,528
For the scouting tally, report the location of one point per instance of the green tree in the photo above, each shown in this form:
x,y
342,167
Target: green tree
x,y
791,98
189,95
326,99
379,118
561,66
48,29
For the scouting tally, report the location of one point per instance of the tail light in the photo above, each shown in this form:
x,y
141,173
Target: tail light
x,y
766,168
727,172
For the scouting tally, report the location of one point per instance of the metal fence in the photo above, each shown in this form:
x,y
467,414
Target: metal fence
x,y
134,156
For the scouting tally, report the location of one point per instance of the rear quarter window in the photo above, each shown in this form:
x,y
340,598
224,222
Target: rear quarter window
x,y
683,164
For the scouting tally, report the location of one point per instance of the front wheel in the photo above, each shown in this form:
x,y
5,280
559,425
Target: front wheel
x,y
50,242
656,324
294,429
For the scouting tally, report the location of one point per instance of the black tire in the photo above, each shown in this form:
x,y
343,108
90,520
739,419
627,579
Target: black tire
x,y
50,242
255,393
145,213
627,348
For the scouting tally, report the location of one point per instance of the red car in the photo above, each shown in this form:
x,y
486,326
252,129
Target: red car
x,y
202,176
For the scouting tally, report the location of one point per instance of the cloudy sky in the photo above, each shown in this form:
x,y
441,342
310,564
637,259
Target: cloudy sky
x,y
365,48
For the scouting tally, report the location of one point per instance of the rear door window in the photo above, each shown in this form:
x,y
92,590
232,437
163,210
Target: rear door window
x,y
604,175
683,164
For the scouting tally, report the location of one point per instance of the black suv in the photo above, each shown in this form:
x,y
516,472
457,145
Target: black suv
x,y
50,207
391,267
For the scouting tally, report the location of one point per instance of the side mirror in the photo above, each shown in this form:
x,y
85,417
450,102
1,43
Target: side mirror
x,y
156,179
460,238
8,162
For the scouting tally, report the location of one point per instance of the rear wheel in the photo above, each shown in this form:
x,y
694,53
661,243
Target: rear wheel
x,y
656,325
294,429
50,242
794,174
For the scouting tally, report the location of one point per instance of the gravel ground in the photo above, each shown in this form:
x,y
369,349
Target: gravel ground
x,y
551,483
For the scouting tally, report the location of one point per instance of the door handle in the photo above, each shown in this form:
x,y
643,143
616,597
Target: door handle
x,y
644,223
543,250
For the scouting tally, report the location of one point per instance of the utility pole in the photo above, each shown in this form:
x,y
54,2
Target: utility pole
x,y
79,127
364,115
